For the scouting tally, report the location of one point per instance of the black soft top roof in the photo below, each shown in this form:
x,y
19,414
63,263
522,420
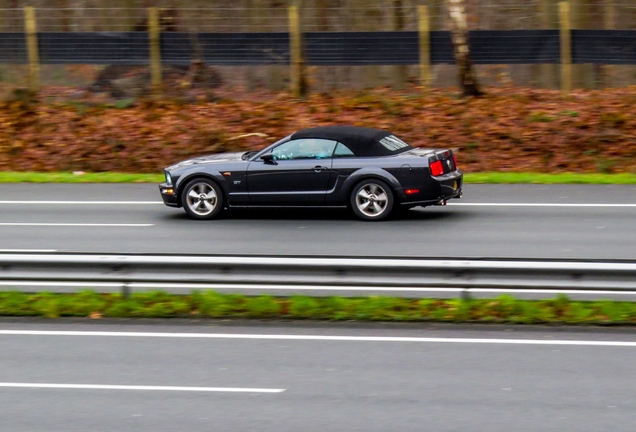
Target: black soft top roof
x,y
361,141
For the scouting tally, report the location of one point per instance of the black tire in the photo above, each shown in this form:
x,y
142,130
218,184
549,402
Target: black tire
x,y
371,200
202,199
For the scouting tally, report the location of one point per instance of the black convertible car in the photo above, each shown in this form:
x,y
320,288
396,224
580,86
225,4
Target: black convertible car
x,y
368,170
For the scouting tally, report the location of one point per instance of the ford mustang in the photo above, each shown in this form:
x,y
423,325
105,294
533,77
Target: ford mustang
x,y
370,171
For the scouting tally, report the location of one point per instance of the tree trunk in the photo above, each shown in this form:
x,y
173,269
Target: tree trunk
x,y
459,34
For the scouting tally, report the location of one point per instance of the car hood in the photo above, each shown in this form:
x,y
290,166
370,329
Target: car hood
x,y
208,159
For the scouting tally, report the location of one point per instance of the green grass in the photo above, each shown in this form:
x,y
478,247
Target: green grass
x,y
541,178
209,304
69,177
484,177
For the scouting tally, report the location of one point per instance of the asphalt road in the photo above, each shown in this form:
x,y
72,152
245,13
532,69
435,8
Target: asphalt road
x,y
273,377
520,221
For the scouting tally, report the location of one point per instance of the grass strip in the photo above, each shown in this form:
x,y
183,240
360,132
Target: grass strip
x,y
210,304
545,178
78,177
483,177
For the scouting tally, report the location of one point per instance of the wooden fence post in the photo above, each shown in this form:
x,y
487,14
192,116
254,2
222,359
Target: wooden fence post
x,y
424,27
297,73
607,72
32,48
566,47
155,49
401,71
547,75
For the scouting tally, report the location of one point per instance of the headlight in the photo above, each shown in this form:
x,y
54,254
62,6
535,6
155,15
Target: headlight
x,y
168,178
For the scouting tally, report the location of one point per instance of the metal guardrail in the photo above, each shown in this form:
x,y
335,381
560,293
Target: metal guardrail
x,y
320,275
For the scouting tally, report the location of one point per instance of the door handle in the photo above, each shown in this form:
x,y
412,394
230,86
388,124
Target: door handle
x,y
319,168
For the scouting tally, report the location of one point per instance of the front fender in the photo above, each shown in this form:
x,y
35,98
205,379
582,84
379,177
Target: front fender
x,y
188,175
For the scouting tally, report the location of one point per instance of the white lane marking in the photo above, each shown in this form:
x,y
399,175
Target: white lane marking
x,y
132,387
86,285
320,338
27,250
537,205
85,202
73,224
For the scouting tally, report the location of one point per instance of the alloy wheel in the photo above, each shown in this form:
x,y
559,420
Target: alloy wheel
x,y
372,200
202,199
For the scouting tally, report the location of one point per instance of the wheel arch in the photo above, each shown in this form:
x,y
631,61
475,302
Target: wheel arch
x,y
378,174
187,178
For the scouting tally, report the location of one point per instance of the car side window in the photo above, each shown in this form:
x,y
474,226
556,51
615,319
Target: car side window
x,y
342,151
305,148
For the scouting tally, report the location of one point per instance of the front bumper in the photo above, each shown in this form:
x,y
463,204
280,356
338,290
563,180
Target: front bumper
x,y
169,195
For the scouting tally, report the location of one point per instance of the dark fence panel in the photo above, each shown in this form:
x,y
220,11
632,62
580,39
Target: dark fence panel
x,y
361,48
515,46
604,46
321,49
226,49
94,48
13,48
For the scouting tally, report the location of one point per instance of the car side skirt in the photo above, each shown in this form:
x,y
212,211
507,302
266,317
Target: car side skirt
x,y
287,206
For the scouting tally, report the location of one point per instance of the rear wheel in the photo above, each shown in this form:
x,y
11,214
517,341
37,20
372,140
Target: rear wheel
x,y
372,200
202,199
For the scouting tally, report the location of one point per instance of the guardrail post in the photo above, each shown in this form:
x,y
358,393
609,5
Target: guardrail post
x,y
465,294
424,27
32,48
297,73
155,49
566,47
125,290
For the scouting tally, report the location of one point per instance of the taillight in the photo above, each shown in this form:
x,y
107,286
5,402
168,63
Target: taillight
x,y
454,161
436,168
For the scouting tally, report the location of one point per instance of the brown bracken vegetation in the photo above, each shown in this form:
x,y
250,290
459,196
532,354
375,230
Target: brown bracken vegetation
x,y
512,129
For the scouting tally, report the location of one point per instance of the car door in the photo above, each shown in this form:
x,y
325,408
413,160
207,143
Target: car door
x,y
295,173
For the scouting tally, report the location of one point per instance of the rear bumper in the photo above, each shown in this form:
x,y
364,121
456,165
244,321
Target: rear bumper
x,y
441,188
450,184
168,195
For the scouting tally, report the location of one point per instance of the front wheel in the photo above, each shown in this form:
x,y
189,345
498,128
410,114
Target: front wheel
x,y
372,200
202,199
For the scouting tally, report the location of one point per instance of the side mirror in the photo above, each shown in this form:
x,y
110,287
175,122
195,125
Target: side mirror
x,y
268,159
